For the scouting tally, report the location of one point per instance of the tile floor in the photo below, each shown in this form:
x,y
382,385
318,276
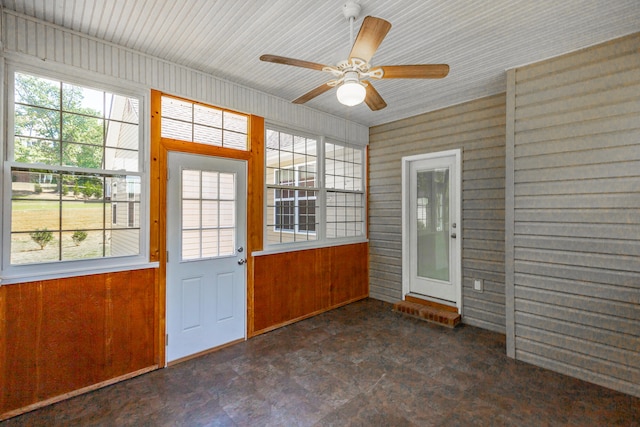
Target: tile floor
x,y
359,365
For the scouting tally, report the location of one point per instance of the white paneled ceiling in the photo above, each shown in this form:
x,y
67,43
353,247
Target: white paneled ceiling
x,y
478,39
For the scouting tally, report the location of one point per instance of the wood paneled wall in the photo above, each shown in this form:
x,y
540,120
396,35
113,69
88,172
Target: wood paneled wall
x,y
478,128
573,210
291,286
61,336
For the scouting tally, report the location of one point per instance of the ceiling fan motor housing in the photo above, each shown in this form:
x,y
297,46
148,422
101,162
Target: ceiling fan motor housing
x,y
351,10
351,77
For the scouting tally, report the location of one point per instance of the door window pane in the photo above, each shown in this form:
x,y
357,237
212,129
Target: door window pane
x,y
432,216
208,214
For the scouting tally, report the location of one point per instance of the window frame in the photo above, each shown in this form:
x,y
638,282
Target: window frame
x,y
19,273
321,206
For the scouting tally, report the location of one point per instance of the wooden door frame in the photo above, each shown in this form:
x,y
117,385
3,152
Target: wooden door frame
x,y
159,149
406,246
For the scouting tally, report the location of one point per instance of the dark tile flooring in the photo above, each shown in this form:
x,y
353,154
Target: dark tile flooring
x,y
359,365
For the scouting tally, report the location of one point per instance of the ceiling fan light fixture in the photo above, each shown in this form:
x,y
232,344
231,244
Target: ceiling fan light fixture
x,y
351,92
352,77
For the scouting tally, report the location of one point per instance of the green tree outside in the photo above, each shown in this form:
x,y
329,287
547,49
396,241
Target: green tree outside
x,y
43,136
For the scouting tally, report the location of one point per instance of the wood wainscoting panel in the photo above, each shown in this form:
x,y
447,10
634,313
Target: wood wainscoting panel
x,y
291,286
67,334
349,273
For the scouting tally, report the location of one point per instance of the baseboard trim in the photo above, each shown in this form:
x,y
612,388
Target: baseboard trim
x,y
306,316
74,393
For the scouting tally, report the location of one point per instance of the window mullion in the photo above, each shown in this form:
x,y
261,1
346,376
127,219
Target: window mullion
x,y
104,216
321,205
60,220
61,126
71,169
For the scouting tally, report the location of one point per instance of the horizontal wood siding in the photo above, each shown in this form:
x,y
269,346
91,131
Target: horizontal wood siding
x,y
576,213
67,334
291,286
54,44
478,128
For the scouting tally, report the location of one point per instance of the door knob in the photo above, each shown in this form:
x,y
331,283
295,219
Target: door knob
x,y
453,235
242,261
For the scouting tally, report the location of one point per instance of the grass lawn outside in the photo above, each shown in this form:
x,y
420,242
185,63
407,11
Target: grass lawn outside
x,y
43,211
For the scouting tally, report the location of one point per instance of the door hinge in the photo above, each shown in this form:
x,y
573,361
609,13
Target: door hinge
x,y
166,340
167,256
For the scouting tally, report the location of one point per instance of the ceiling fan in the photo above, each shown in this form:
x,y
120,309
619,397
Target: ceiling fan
x,y
352,76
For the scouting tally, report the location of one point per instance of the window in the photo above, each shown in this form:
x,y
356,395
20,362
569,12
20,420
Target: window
x,y
345,196
295,210
74,150
189,121
433,200
291,187
300,172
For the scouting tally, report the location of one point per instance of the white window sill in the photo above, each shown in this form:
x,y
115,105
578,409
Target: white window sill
x,y
285,247
49,275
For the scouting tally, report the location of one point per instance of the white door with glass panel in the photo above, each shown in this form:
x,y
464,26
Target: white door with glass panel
x,y
206,228
431,186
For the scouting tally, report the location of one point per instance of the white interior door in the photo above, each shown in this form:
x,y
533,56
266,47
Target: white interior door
x,y
432,226
206,228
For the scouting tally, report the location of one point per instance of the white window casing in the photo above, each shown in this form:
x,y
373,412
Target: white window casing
x,y
135,188
338,186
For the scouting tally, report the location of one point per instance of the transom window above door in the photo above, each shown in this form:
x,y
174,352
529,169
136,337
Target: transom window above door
x,y
190,121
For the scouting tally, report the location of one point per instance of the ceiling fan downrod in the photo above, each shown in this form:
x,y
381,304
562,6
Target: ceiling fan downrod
x,y
351,11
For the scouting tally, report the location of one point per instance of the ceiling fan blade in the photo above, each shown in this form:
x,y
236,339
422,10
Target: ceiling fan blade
x,y
373,98
290,61
371,34
312,94
425,71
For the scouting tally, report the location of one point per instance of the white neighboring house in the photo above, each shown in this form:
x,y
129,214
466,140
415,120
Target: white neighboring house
x,y
124,191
